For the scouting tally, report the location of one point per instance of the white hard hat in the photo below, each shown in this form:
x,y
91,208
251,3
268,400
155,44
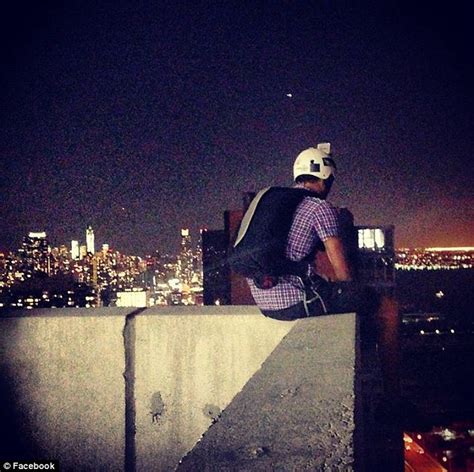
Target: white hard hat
x,y
316,162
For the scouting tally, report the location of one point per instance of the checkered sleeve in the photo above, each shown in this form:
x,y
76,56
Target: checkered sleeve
x,y
325,220
314,220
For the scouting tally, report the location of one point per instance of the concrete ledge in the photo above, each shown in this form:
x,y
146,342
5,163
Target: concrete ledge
x,y
62,390
296,413
188,369
125,390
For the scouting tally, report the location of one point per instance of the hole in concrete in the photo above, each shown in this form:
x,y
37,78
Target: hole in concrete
x,y
258,451
212,411
157,407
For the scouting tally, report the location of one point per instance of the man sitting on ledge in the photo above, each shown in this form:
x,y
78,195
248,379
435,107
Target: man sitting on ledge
x,y
276,249
280,236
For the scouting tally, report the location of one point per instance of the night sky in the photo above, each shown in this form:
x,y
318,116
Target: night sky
x,y
144,117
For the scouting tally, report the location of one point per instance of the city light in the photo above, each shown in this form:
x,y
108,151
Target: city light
x,y
435,259
86,278
179,279
371,238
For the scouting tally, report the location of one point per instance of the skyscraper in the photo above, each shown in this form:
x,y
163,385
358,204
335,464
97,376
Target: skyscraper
x,y
185,258
82,251
197,259
75,249
35,253
90,240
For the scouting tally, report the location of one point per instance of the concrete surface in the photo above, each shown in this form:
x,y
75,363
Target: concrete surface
x,y
296,413
113,389
62,387
188,369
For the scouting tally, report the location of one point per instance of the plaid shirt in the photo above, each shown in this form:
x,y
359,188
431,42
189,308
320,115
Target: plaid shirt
x,y
314,220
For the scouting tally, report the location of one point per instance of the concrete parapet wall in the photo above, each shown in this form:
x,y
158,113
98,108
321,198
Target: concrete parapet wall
x,y
62,387
114,389
296,413
188,369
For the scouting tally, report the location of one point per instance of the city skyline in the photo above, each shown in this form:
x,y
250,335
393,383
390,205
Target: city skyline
x,y
74,245
141,121
81,243
78,247
39,275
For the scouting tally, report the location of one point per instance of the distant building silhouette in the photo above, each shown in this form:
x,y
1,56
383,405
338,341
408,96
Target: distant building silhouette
x,y
239,289
220,284
216,280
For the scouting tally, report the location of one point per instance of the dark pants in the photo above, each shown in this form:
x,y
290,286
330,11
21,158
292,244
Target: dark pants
x,y
328,298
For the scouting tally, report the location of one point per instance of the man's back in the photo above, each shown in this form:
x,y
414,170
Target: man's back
x,y
314,221
314,224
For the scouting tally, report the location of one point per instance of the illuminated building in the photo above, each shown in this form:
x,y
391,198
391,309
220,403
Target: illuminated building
x,y
197,259
8,264
133,298
82,251
74,249
35,253
185,262
60,259
372,238
376,257
90,240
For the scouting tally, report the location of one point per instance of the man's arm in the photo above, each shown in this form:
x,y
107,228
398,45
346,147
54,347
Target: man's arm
x,y
337,258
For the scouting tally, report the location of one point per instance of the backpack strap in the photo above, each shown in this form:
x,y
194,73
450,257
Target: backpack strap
x,y
244,225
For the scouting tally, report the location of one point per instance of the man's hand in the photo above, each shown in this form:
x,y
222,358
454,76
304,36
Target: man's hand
x,y
337,257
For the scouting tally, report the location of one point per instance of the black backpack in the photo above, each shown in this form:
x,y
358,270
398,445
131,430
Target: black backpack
x,y
259,250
